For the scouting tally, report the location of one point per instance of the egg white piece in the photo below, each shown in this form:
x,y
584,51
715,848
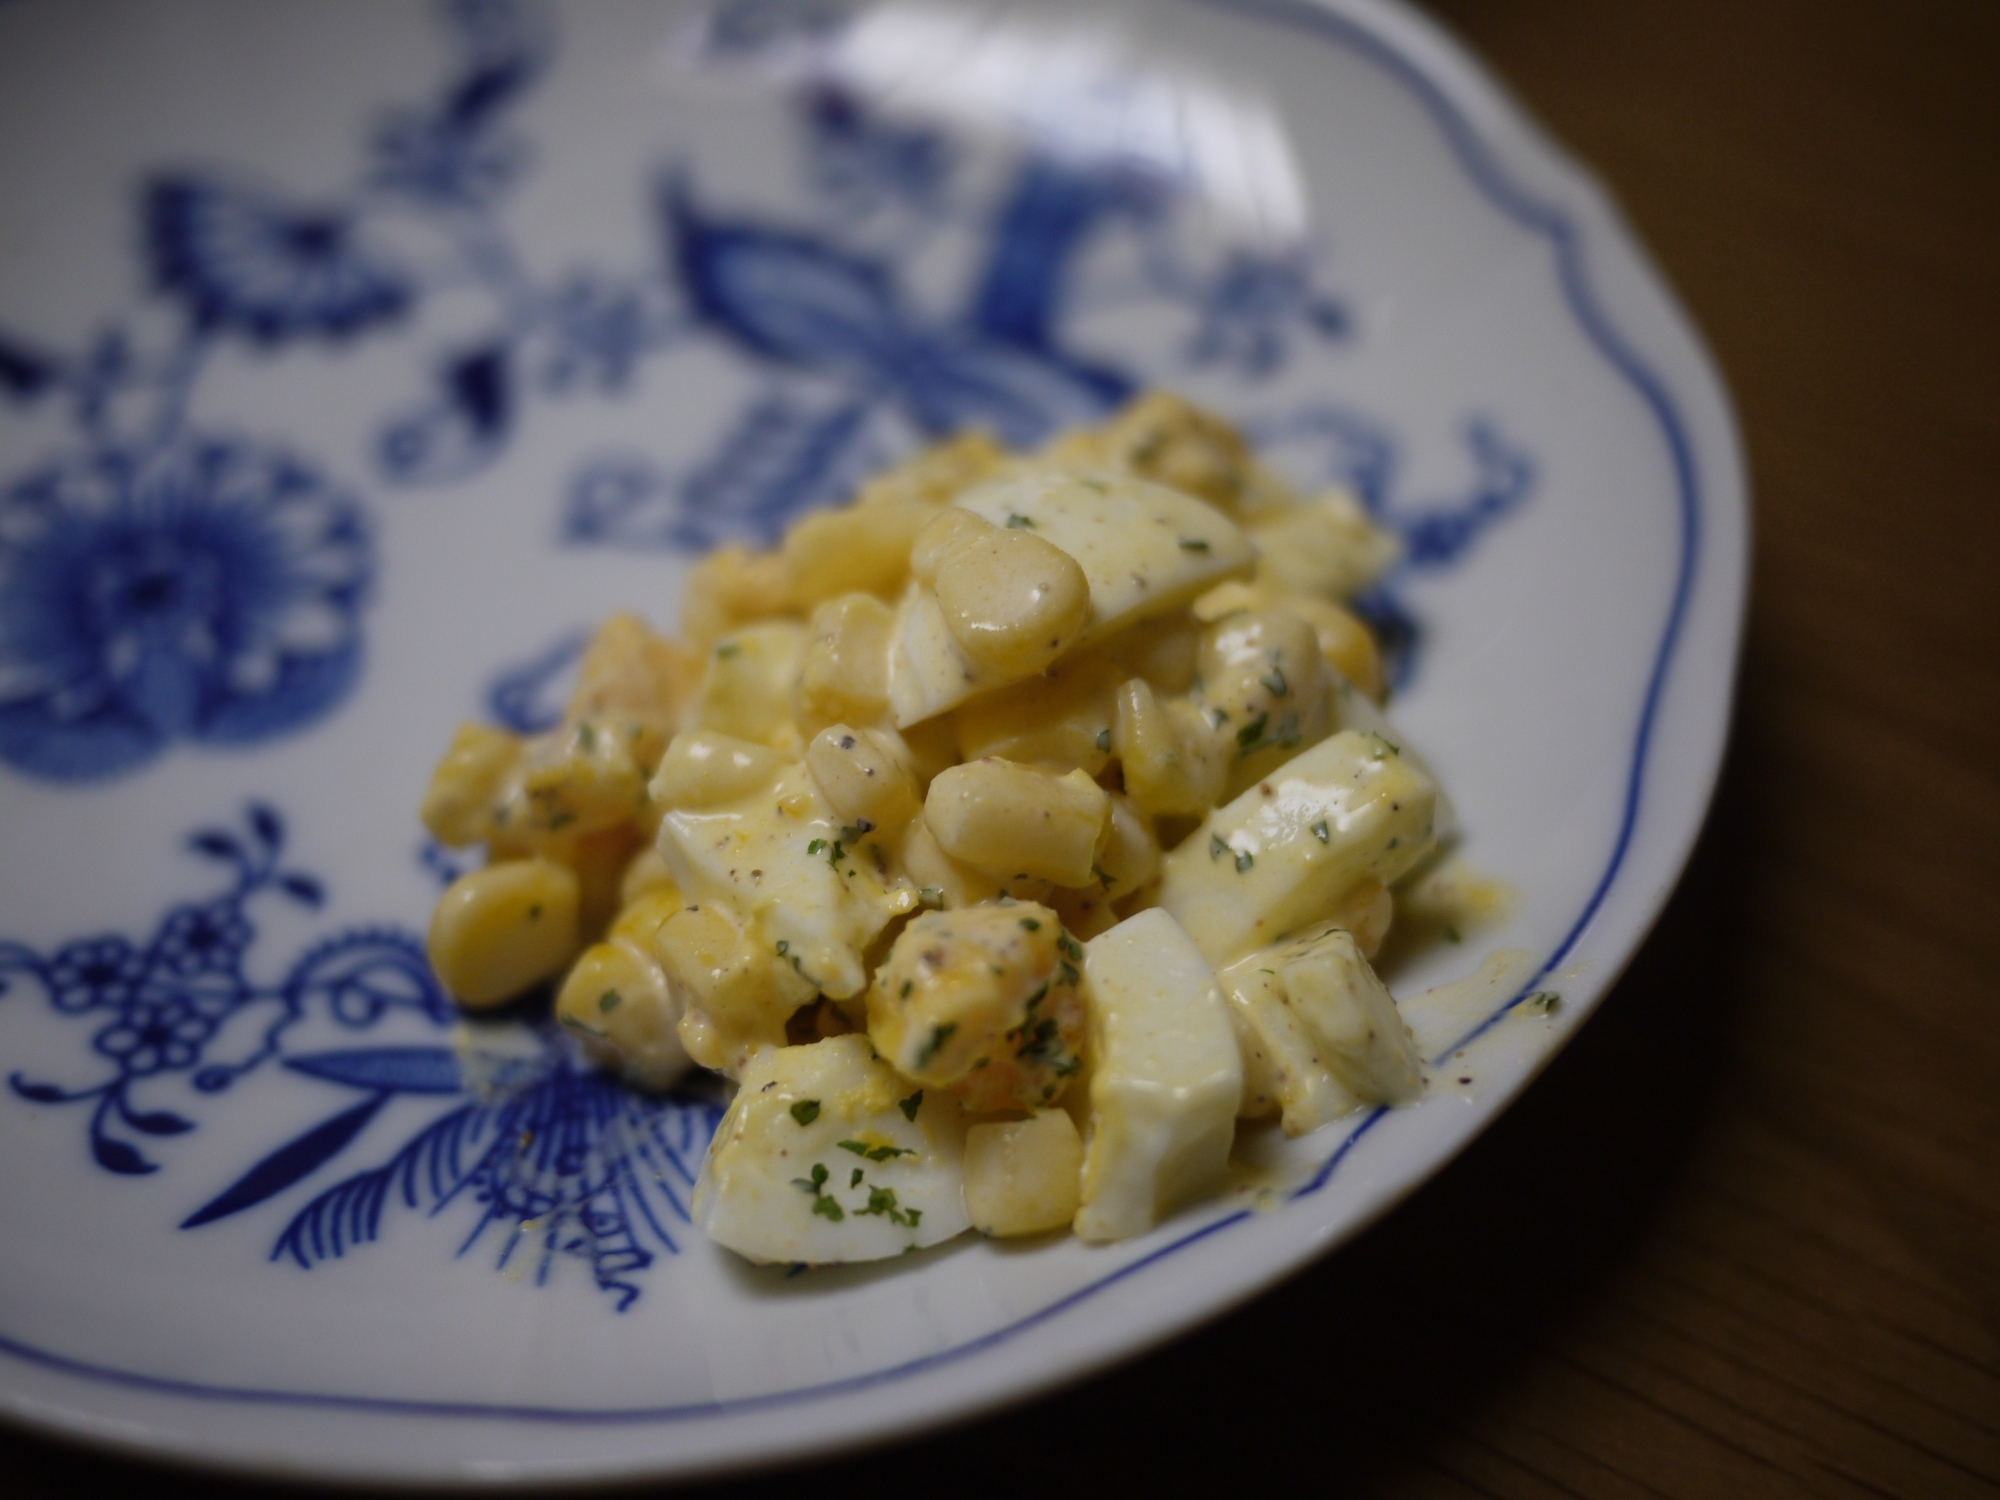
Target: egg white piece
x,y
1166,1080
827,1155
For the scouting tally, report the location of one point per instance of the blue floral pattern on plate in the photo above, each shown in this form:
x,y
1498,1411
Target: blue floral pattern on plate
x,y
540,1139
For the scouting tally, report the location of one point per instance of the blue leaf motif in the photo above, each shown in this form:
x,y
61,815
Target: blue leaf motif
x,y
24,374
41,1093
406,1070
303,889
286,1165
485,90
116,1156
477,385
269,827
787,296
160,1122
1019,396
216,846
459,430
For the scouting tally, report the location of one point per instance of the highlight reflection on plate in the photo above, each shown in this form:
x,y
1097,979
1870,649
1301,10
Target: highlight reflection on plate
x,y
353,362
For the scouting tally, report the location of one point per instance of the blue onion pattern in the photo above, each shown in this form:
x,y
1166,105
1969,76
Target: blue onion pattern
x,y
211,592
547,1156
246,262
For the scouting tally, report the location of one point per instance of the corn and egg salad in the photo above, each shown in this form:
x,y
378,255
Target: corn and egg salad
x,y
1005,836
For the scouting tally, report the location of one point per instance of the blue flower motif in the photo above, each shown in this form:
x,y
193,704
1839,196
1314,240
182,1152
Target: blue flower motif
x,y
210,592
155,1035
205,939
1248,310
103,971
246,261
600,330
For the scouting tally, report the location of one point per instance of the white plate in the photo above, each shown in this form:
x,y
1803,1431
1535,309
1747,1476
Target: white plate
x,y
352,359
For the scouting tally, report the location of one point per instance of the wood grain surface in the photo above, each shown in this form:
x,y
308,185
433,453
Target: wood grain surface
x,y
1744,1237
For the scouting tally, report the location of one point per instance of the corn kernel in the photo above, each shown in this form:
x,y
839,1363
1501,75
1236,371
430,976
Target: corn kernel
x,y
730,588
1327,546
1003,817
1012,601
641,919
1023,1176
834,552
618,1003
467,784
499,931
844,674
862,778
1172,762
947,531
631,676
1060,719
739,993
705,769
1263,669
748,689
1130,856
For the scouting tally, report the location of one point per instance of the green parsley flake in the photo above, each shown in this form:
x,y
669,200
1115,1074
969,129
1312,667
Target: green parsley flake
x,y
940,1034
1104,739
727,649
814,1183
1274,682
882,1201
806,1111
1216,848
1543,1003
1244,860
1249,734
575,1025
1319,831
876,1153
1193,544
911,1105
1031,924
610,1000
815,846
1016,521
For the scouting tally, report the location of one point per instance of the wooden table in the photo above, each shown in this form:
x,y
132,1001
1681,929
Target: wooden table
x,y
1741,1239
